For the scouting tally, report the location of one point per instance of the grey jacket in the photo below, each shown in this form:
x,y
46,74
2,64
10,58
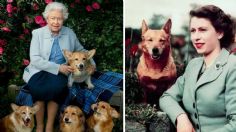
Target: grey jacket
x,y
209,102
40,49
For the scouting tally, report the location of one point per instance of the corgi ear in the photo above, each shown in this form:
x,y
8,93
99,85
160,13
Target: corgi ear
x,y
67,54
91,53
144,27
81,116
167,26
35,108
114,113
14,107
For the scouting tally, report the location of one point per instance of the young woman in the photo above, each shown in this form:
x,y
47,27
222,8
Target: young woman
x,y
204,98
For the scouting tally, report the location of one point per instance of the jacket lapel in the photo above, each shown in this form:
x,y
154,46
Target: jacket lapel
x,y
214,71
63,38
194,73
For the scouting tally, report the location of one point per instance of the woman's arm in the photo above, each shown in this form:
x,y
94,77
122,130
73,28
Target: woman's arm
x,y
230,98
169,103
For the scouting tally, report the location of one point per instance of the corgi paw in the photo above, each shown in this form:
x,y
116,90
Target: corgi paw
x,y
91,86
69,85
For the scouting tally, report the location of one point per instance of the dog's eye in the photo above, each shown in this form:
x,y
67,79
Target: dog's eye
x,y
103,107
66,112
150,40
76,59
31,113
142,37
23,112
161,40
73,113
84,58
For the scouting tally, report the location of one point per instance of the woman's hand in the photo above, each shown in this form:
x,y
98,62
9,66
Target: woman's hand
x,y
65,69
184,124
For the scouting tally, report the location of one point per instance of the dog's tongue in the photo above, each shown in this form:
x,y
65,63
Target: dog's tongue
x,y
155,57
26,123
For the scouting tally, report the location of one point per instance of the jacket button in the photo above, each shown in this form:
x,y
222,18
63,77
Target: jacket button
x,y
193,105
195,115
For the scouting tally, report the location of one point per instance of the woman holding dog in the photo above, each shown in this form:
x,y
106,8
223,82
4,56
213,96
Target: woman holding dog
x,y
46,75
203,99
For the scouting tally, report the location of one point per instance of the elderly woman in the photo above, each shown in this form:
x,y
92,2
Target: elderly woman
x,y
46,73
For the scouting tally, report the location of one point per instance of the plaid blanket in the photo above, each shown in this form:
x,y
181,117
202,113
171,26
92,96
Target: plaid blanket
x,y
105,85
24,97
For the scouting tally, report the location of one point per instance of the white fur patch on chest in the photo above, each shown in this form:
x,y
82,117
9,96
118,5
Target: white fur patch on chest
x,y
97,128
80,79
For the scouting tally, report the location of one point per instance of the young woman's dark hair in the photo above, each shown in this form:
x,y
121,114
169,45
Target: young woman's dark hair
x,y
220,21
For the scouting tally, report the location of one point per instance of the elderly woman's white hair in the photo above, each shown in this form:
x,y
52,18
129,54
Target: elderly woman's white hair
x,y
56,6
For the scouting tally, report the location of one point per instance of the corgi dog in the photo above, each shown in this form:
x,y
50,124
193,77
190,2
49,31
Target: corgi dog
x,y
72,120
20,120
156,69
101,119
83,68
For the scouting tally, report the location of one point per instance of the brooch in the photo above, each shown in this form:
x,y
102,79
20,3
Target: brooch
x,y
218,65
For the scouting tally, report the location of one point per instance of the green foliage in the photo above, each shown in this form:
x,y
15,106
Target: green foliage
x,y
133,90
99,28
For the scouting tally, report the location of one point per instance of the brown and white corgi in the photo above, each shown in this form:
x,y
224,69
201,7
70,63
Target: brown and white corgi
x,y
101,120
83,68
72,120
20,120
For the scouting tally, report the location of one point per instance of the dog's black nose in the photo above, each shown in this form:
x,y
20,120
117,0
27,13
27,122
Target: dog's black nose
x,y
95,109
81,66
66,119
27,119
155,51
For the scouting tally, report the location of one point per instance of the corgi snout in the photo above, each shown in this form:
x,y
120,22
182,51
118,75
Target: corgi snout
x,y
95,108
27,120
80,66
67,120
155,51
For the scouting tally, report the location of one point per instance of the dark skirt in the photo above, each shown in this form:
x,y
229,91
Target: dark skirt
x,y
45,86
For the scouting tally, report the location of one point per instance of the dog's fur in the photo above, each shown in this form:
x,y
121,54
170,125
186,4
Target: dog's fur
x,y
20,120
83,68
101,120
72,120
156,69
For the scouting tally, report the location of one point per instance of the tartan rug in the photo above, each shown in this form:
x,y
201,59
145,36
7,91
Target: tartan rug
x,y
105,85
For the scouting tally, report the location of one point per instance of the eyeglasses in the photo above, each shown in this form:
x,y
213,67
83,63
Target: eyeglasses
x,y
56,19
